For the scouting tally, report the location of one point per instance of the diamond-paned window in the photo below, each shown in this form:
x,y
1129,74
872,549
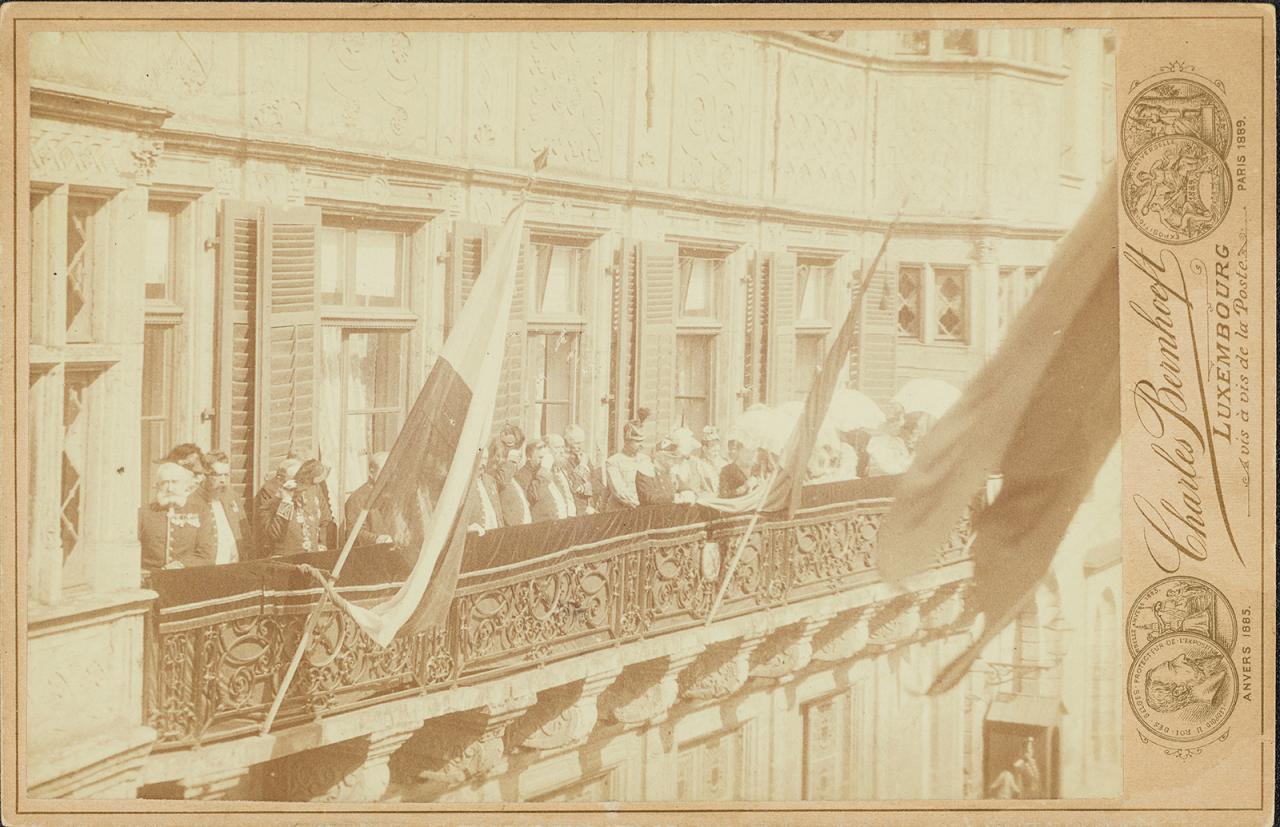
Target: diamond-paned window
x,y
74,460
910,295
81,213
949,295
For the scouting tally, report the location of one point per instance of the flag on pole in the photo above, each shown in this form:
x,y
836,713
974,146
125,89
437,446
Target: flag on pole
x,y
1045,412
422,489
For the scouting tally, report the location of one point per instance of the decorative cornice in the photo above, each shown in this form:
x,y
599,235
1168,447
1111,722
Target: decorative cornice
x,y
69,103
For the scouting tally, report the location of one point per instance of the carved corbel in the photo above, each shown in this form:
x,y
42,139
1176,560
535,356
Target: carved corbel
x,y
845,636
465,745
355,770
145,151
944,609
897,622
789,650
645,691
563,715
221,784
720,671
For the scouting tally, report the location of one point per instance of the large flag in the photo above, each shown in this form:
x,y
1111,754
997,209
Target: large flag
x,y
423,487
784,488
1045,412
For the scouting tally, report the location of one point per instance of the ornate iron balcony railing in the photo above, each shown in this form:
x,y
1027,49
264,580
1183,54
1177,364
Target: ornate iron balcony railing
x,y
220,639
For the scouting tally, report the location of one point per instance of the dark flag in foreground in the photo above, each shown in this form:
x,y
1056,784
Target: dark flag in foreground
x,y
1044,412
423,486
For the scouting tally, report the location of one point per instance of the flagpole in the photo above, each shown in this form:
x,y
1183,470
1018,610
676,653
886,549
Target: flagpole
x,y
742,546
312,620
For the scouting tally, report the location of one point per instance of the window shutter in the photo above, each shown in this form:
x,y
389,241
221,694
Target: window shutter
x,y
237,332
467,256
512,403
288,301
873,363
659,274
782,327
622,344
753,331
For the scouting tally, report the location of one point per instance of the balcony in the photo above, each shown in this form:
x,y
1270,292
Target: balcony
x,y
219,640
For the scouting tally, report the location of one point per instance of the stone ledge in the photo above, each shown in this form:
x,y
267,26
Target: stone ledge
x,y
106,766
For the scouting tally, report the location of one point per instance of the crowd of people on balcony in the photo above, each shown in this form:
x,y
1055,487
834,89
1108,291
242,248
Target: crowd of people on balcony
x,y
194,519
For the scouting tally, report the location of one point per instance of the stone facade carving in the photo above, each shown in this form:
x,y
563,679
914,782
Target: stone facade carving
x,y
720,671
563,716
275,80
61,152
896,622
366,87
146,151
462,746
819,152
710,125
355,770
569,78
645,691
491,58
926,128
944,609
845,636
788,651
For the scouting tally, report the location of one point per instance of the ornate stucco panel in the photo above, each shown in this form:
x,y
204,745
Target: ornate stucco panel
x,y
925,129
566,100
491,64
710,127
369,87
820,143
275,80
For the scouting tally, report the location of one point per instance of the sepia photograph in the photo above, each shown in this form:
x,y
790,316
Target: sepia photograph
x,y
517,415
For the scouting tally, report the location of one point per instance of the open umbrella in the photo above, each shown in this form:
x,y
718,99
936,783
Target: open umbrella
x,y
851,410
927,395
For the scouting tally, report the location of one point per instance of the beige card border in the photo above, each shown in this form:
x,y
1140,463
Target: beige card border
x,y
18,19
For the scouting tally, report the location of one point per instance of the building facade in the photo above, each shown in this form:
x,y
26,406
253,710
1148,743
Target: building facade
x,y
258,242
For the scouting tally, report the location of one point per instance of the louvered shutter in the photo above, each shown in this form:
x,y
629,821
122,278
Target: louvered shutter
x,y
659,279
237,331
753,331
873,363
288,303
622,343
467,248
782,327
512,404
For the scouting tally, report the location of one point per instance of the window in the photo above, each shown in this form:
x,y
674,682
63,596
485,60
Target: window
x,y
553,366
951,305
811,348
713,768
556,324
813,288
1033,277
910,301
700,278
367,330
362,266
74,496
595,788
82,218
558,278
960,42
1105,723
694,361
164,316
364,373
1006,301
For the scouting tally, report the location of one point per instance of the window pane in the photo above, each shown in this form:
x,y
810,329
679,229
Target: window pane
x,y
375,378
1005,308
365,434
332,264
158,254
330,408
909,302
698,285
553,359
155,400
81,213
72,489
693,370
559,273
810,349
378,255
813,281
949,290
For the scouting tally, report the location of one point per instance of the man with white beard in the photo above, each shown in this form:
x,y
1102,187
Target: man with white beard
x,y
175,528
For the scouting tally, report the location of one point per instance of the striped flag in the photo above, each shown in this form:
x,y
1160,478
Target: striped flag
x,y
422,489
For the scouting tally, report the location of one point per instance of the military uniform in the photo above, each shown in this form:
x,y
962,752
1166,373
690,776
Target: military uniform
x,y
584,480
297,525
181,533
374,524
231,526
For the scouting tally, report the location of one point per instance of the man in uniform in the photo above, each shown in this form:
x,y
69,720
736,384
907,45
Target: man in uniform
x,y
230,522
620,469
268,499
301,516
484,503
658,484
175,528
546,490
709,459
512,501
585,478
372,532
